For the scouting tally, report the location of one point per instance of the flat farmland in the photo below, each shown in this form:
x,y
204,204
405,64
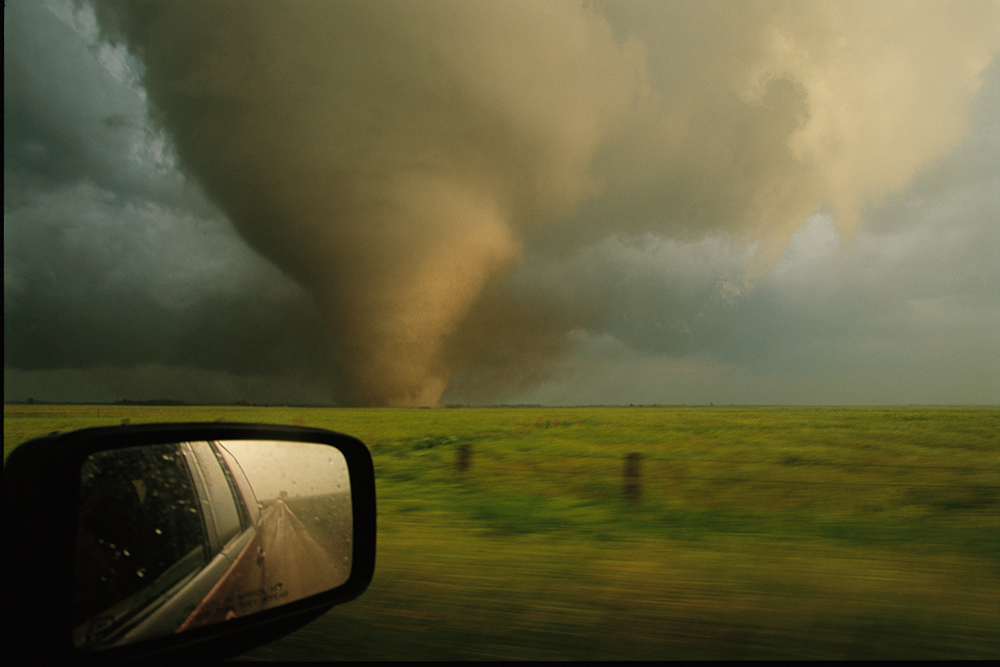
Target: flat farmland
x,y
754,533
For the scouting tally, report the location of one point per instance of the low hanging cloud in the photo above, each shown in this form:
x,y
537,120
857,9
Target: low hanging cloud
x,y
401,161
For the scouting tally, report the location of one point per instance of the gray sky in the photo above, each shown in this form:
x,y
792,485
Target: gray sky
x,y
299,468
363,203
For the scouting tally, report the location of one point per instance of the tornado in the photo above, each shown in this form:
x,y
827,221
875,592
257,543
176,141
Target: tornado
x,y
403,160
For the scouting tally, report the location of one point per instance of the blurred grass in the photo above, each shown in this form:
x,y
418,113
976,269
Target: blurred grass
x,y
760,533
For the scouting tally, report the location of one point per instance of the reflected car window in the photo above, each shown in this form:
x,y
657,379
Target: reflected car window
x,y
221,514
249,510
138,517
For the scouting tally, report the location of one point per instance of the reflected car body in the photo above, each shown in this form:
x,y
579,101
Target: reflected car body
x,y
218,542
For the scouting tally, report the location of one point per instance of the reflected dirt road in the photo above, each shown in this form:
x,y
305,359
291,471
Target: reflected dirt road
x,y
294,564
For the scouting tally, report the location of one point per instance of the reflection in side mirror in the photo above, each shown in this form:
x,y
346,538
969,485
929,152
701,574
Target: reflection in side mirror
x,y
178,536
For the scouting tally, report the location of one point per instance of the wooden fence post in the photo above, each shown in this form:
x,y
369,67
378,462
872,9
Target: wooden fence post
x,y
464,459
633,483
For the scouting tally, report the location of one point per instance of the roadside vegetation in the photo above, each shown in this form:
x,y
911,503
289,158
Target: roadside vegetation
x,y
749,533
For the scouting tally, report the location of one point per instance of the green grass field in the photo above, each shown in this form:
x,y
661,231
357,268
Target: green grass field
x,y
759,532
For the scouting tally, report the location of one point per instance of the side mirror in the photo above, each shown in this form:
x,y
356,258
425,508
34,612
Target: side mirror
x,y
181,540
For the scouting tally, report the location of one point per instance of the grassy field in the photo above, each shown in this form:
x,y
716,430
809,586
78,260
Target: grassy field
x,y
759,532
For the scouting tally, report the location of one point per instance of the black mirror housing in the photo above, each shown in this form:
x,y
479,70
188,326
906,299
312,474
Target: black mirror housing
x,y
42,482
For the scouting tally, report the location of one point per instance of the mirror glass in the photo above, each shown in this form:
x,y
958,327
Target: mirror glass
x,y
178,536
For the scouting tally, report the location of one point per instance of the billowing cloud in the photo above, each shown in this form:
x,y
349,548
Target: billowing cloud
x,y
393,157
466,191
760,113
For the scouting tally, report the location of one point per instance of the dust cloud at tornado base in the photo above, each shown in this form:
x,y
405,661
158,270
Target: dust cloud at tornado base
x,y
402,160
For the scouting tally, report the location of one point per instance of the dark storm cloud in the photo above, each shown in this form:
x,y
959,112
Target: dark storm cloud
x,y
42,123
401,159
66,118
112,260
473,197
92,279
